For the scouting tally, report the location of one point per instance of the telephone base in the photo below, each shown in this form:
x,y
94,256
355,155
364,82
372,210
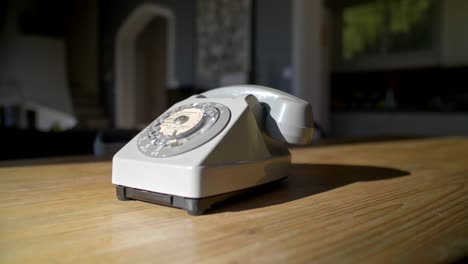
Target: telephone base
x,y
193,206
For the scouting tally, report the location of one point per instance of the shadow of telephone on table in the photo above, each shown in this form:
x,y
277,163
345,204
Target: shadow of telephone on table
x,y
306,180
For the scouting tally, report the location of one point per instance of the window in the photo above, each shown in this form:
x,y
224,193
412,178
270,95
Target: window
x,y
384,29
410,25
363,29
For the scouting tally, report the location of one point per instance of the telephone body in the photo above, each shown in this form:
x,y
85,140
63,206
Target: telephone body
x,y
213,146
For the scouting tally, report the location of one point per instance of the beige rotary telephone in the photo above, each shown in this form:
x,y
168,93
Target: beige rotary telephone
x,y
213,146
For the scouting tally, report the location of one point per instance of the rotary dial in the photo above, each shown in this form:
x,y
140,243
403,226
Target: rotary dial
x,y
183,128
181,123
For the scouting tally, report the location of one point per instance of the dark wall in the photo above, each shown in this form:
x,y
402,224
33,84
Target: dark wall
x,y
273,42
112,15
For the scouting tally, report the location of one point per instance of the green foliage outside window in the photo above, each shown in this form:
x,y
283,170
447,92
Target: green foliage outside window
x,y
383,26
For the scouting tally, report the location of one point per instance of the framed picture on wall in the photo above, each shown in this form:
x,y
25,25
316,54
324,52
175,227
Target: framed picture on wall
x,y
223,53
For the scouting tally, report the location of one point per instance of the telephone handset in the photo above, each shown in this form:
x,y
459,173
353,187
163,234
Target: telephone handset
x,y
288,118
212,146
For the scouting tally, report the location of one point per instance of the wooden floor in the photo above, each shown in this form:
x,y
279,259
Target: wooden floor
x,y
400,202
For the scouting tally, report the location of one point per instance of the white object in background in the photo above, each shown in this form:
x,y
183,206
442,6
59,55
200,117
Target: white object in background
x,y
239,143
390,101
37,64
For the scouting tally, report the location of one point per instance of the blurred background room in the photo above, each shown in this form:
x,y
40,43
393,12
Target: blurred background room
x,y
82,77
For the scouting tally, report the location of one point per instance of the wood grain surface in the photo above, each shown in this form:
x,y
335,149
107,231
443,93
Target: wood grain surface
x,y
397,202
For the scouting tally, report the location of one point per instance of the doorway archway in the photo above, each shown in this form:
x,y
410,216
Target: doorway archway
x,y
145,47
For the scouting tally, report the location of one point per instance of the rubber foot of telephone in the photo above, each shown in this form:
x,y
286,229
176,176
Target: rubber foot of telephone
x,y
193,206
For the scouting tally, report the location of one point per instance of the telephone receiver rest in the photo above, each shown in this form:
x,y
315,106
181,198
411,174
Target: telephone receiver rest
x,y
288,118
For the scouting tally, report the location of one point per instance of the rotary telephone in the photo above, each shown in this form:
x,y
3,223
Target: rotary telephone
x,y
213,146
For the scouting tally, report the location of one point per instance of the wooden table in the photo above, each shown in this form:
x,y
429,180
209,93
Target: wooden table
x,y
404,201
